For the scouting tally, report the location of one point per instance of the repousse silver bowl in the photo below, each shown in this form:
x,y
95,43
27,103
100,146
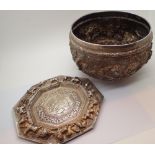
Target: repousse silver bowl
x,y
111,45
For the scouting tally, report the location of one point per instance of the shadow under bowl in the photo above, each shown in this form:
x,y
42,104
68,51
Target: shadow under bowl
x,y
111,45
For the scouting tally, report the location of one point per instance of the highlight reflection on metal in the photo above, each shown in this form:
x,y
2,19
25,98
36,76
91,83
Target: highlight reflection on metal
x,y
57,110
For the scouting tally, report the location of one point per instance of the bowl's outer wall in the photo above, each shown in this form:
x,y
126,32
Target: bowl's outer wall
x,y
112,62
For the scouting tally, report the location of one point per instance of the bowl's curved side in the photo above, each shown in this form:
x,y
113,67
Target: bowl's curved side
x,y
107,66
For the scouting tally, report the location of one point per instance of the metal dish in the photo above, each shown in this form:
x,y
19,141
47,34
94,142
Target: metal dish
x,y
57,110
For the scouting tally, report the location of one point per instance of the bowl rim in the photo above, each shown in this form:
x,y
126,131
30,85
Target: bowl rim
x,y
112,45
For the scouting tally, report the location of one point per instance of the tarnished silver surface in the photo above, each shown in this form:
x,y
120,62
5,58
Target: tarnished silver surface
x,y
57,110
111,45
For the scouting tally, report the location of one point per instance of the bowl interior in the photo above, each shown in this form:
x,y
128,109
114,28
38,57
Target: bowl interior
x,y
112,30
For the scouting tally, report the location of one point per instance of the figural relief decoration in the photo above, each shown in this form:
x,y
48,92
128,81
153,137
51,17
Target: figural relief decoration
x,y
57,110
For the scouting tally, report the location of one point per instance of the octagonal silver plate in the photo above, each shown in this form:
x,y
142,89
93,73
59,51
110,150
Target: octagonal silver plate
x,y
57,110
